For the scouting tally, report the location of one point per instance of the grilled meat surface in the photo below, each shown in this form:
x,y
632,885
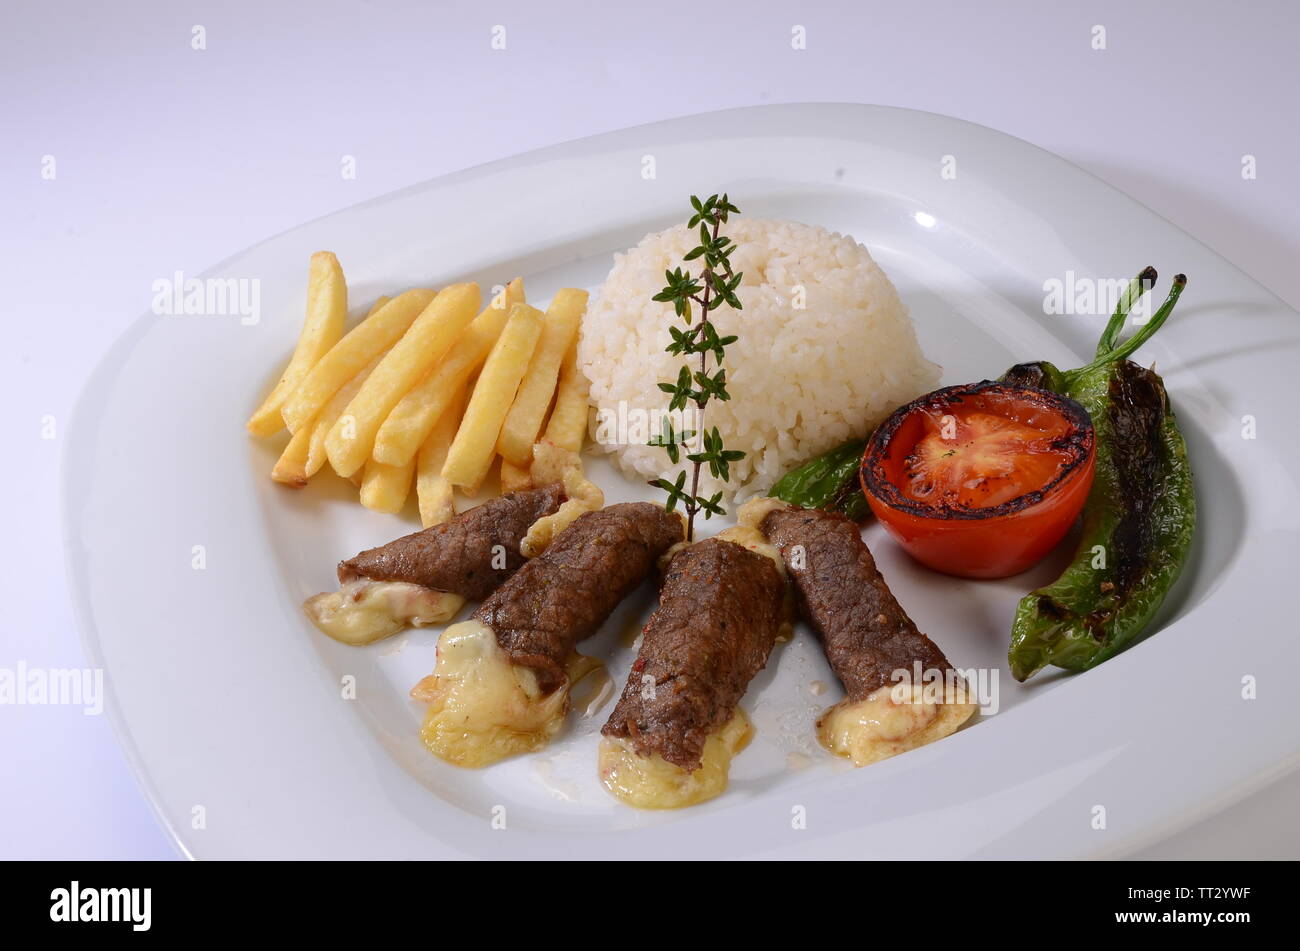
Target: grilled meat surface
x,y
564,594
866,633
471,555
719,613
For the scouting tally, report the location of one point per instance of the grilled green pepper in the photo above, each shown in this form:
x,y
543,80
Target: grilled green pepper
x,y
829,481
1140,514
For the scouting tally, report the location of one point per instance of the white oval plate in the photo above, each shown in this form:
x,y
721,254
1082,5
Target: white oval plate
x,y
230,706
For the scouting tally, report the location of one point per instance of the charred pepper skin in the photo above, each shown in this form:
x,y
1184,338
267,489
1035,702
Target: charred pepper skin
x,y
1138,521
827,482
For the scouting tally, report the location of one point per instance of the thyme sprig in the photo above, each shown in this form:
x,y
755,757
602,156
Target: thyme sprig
x,y
693,296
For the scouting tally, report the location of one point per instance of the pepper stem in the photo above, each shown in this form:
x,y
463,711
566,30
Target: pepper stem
x,y
1132,294
1142,336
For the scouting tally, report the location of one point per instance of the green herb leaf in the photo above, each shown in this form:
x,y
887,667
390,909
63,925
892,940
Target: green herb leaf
x,y
715,286
711,506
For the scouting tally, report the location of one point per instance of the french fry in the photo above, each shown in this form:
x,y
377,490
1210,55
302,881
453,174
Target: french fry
x,y
346,358
291,468
333,409
328,416
384,488
556,457
327,309
349,443
524,421
567,427
434,493
413,418
472,451
514,478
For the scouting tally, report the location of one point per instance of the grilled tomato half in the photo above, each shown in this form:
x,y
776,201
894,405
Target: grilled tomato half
x,y
981,480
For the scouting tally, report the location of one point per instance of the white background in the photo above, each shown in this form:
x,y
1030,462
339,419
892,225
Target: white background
x,y
170,158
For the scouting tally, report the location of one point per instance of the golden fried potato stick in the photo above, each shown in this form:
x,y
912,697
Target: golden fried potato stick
x,y
435,495
384,488
330,414
327,309
346,358
524,421
412,419
567,426
514,478
473,449
427,341
296,466
291,468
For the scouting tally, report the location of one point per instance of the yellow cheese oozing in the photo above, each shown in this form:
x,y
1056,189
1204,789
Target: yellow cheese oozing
x,y
892,720
364,611
552,463
482,707
654,783
651,782
748,536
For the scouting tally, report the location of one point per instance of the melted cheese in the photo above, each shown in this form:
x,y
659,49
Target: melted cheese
x,y
651,782
482,707
551,463
365,611
744,533
746,536
891,720
752,513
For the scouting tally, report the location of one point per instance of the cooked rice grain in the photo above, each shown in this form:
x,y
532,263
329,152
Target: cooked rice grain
x,y
802,379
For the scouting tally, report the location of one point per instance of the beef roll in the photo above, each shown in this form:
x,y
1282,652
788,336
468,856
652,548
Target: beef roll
x,y
502,678
471,555
901,690
425,577
670,738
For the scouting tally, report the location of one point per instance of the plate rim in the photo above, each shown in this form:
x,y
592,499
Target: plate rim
x,y
109,367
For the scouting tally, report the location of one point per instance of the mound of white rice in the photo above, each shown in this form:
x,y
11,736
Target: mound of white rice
x,y
802,379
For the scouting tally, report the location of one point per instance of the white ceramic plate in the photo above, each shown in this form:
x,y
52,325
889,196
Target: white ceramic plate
x,y
229,703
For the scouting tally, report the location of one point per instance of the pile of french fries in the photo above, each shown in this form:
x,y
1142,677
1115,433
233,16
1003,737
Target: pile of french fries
x,y
427,390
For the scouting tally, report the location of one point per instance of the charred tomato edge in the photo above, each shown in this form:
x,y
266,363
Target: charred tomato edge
x,y
1080,443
